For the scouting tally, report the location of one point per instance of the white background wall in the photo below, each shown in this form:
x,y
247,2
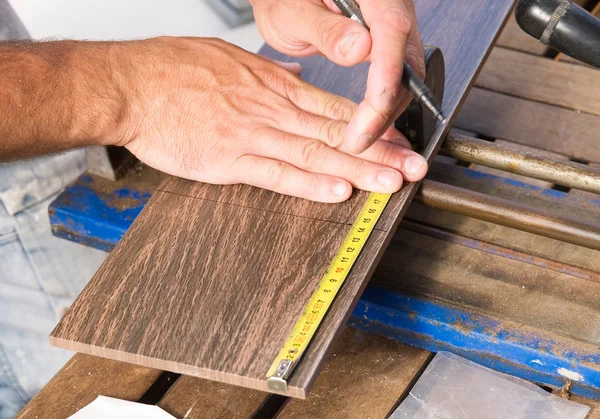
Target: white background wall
x,y
129,19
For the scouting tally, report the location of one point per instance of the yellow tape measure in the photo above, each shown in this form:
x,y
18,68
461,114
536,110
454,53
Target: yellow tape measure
x,y
330,284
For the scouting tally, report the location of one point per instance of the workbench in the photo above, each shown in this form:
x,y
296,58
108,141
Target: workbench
x,y
519,303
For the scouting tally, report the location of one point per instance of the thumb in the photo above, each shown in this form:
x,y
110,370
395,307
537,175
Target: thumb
x,y
340,39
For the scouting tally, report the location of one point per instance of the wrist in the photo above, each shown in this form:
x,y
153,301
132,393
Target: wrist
x,y
100,105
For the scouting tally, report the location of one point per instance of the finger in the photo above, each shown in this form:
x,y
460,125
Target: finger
x,y
295,68
394,136
320,102
281,177
340,39
316,157
410,164
392,22
308,125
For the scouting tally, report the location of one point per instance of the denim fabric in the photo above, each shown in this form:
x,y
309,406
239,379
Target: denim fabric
x,y
40,275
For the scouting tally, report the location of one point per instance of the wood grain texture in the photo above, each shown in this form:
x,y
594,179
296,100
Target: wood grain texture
x,y
83,379
543,80
507,289
365,377
543,126
209,280
196,398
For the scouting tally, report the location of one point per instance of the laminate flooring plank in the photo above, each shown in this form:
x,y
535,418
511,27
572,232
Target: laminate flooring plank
x,y
543,80
209,280
539,125
84,378
215,304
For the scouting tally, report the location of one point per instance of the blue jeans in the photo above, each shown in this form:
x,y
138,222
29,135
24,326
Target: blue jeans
x,y
40,275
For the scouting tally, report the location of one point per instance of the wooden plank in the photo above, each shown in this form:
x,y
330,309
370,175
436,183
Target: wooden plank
x,y
513,37
237,345
535,124
214,291
543,80
83,379
196,398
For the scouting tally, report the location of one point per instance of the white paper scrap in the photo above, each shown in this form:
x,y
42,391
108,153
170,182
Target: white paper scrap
x,y
108,407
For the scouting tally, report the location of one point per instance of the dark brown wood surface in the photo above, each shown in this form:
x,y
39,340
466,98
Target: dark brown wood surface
x,y
540,79
540,125
209,280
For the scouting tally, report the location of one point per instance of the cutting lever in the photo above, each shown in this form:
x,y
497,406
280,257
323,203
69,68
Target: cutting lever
x,y
410,79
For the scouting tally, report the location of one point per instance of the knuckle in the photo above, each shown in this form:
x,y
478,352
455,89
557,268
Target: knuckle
x,y
386,156
310,152
274,174
340,109
398,20
330,31
331,133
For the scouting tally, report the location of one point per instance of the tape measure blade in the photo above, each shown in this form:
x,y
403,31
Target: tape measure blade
x,y
327,289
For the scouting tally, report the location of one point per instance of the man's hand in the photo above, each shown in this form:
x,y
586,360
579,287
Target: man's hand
x,y
306,27
209,111
196,108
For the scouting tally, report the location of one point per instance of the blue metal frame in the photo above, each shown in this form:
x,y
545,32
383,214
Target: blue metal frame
x,y
89,213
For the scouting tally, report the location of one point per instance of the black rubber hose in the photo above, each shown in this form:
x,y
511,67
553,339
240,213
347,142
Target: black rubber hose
x,y
563,26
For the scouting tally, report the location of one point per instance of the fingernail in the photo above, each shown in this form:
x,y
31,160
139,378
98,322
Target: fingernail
x,y
389,178
413,164
346,45
339,188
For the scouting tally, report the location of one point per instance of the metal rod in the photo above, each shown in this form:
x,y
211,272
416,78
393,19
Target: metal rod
x,y
565,173
509,214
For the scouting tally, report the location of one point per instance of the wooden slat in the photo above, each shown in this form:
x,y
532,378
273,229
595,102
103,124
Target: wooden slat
x,y
531,123
196,398
543,80
502,287
210,285
365,377
83,379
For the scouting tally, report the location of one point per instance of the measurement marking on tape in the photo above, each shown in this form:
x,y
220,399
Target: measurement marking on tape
x,y
321,299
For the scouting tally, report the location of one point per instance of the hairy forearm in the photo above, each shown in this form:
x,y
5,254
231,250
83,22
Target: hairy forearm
x,y
56,96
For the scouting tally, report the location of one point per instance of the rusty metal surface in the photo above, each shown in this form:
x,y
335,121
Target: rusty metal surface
x,y
510,214
538,166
